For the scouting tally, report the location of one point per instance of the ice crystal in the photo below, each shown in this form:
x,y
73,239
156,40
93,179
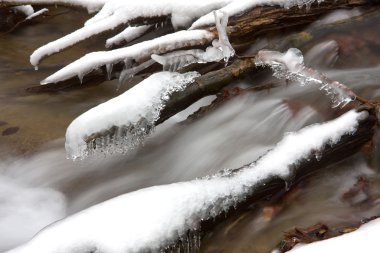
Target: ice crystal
x,y
290,66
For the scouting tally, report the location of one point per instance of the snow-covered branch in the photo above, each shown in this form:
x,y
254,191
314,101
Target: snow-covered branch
x,y
127,223
107,132
130,33
197,14
125,120
139,53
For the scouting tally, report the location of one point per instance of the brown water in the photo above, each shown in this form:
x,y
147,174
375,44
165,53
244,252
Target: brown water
x,y
38,185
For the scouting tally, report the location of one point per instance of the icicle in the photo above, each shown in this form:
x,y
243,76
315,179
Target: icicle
x,y
179,59
131,72
109,67
220,49
221,21
290,66
80,77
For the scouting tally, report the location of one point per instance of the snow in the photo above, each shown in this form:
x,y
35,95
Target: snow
x,y
36,14
290,66
129,34
27,10
137,52
182,13
91,5
134,112
365,239
152,218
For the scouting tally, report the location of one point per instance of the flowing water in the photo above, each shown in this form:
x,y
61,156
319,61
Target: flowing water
x,y
38,185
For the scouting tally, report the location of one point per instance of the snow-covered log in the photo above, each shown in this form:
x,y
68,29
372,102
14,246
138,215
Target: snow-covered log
x,y
122,123
182,211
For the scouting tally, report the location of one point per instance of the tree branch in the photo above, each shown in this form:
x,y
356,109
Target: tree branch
x,y
247,27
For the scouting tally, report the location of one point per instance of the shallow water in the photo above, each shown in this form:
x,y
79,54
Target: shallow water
x,y
38,185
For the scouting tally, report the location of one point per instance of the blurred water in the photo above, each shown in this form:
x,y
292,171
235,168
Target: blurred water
x,y
38,185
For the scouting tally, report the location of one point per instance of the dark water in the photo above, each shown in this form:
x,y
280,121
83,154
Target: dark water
x,y
39,186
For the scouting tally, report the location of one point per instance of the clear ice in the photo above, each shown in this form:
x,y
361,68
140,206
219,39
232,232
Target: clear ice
x,y
290,66
221,49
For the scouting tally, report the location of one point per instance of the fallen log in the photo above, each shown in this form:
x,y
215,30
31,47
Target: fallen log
x,y
317,160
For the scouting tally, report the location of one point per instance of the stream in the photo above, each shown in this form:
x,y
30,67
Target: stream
x,y
39,186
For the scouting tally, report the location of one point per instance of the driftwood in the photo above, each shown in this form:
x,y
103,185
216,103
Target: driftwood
x,y
270,187
242,29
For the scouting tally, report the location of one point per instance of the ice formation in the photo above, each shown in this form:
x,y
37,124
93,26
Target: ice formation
x,y
220,49
365,239
154,218
130,33
137,52
130,72
124,121
290,66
